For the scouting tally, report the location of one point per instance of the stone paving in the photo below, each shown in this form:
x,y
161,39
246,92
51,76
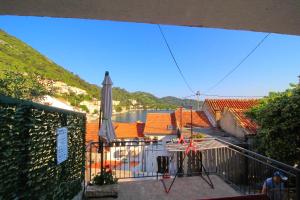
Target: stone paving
x,y
184,188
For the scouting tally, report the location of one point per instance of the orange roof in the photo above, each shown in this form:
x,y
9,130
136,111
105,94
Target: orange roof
x,y
160,124
129,130
198,118
113,164
92,129
123,130
244,121
220,104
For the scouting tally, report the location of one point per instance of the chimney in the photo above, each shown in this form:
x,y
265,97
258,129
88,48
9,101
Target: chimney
x,y
180,109
218,115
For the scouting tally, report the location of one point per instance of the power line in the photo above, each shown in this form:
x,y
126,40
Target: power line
x,y
240,63
222,96
173,57
188,96
236,96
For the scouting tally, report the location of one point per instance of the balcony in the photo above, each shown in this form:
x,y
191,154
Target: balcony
x,y
233,171
184,188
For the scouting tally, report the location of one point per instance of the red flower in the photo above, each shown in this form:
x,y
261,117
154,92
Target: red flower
x,y
109,171
107,166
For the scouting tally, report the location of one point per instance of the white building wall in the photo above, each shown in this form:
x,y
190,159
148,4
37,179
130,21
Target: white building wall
x,y
209,116
229,124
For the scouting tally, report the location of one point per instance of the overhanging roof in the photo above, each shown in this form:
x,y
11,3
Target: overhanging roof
x,y
276,16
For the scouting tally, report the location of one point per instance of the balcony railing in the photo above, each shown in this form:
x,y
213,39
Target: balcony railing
x,y
244,170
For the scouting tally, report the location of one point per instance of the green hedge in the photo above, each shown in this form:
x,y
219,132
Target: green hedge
x,y
28,168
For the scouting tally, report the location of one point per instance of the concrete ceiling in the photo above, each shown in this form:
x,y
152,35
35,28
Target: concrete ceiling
x,y
277,16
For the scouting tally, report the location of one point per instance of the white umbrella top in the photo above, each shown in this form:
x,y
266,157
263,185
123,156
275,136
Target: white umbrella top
x,y
107,130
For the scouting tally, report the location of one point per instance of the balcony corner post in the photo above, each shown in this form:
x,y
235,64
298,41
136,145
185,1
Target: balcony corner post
x,y
298,185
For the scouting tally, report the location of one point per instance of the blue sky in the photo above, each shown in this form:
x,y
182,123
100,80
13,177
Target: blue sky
x,y
138,60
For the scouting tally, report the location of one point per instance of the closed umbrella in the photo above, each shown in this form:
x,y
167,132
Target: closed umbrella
x,y
107,130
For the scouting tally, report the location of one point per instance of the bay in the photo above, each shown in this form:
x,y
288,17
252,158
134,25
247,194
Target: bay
x,y
138,115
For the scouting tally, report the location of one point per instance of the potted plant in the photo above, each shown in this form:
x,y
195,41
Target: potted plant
x,y
103,185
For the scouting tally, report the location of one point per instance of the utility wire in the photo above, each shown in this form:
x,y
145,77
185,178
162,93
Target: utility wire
x,y
222,96
173,57
216,95
240,63
188,96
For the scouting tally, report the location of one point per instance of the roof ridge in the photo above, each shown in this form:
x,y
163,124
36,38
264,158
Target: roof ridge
x,y
233,99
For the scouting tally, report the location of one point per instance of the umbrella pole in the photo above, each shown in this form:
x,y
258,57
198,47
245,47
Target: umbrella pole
x,y
101,149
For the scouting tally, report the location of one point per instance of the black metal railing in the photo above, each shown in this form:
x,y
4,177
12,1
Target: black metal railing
x,y
244,170
126,159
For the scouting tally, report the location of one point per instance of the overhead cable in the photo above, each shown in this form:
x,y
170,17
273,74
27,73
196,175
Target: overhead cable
x,y
240,63
174,59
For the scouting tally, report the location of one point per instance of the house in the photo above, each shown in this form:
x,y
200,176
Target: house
x,y
124,131
186,118
118,155
213,108
161,126
237,124
229,115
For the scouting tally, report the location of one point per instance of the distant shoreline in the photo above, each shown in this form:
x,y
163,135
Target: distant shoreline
x,y
135,110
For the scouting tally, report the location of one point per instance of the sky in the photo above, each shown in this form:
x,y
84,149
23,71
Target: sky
x,y
138,60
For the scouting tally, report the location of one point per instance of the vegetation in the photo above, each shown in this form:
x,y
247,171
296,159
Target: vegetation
x,y
186,103
22,86
84,108
19,57
278,118
96,111
198,136
106,178
118,108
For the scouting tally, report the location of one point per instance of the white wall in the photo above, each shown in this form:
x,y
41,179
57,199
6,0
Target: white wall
x,y
229,124
209,116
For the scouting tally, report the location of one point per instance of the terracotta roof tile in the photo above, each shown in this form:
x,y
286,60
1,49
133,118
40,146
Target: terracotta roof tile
x,y
129,130
244,121
123,130
160,124
198,119
219,104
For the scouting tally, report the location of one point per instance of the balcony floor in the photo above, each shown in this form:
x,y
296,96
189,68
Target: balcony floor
x,y
184,188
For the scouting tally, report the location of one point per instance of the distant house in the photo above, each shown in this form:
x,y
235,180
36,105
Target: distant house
x,y
235,122
213,108
229,115
126,134
186,118
160,126
124,131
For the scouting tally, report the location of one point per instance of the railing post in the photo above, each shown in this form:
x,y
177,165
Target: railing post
x,y
180,164
298,186
90,160
102,157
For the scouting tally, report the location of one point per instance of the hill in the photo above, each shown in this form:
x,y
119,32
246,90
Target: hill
x,y
182,102
17,56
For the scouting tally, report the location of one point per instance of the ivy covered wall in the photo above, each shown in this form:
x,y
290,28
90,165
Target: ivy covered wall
x,y
28,167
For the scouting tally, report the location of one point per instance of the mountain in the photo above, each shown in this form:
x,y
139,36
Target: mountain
x,y
17,56
182,102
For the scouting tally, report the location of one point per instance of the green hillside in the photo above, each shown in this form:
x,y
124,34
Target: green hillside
x,y
17,56
181,102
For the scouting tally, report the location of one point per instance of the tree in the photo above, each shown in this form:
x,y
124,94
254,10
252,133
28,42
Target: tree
x,y
278,117
22,86
84,108
118,108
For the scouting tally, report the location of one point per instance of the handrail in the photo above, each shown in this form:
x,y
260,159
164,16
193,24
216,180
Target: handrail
x,y
263,162
261,156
